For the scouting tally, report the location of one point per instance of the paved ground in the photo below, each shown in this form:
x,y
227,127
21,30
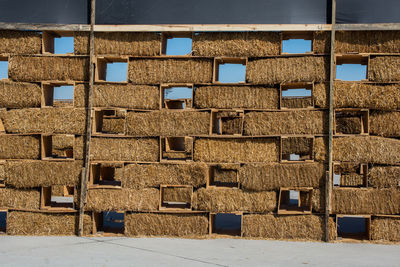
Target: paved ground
x,y
75,251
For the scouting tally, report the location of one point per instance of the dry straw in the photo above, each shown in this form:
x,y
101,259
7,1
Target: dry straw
x,y
19,198
238,150
81,43
260,177
320,95
385,229
164,224
352,179
297,102
177,194
19,147
19,95
384,123
113,125
153,71
232,200
384,177
288,69
123,199
367,42
25,174
257,97
348,123
296,145
384,69
153,175
168,123
20,42
322,42
238,44
81,95
225,173
40,68
293,122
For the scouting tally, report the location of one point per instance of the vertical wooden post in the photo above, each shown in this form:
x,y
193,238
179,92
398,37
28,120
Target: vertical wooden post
x,y
328,184
85,170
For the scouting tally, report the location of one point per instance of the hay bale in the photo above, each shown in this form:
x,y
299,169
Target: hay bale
x,y
19,95
369,149
125,149
81,91
236,150
19,198
236,44
384,177
36,223
288,69
318,200
384,69
297,102
126,96
113,125
297,145
303,227
81,43
260,177
321,42
20,42
366,95
177,194
320,94
25,174
225,173
19,147
321,149
288,122
257,97
123,199
79,147
45,120
348,123
168,123
62,141
352,179
41,68
153,71
164,224
153,175
367,42
385,229
384,123
365,201
232,200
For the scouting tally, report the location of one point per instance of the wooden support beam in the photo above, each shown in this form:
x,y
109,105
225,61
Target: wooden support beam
x,y
44,27
368,27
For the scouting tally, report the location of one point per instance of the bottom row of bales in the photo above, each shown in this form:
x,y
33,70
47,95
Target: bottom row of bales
x,y
192,225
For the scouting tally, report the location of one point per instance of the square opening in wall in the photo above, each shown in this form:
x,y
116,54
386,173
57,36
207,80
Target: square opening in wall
x,y
3,222
227,122
297,42
353,227
177,44
350,121
176,197
104,174
57,197
293,201
3,68
349,174
112,69
109,121
177,97
297,148
58,146
57,95
225,175
58,42
296,95
351,67
109,222
226,224
177,148
230,70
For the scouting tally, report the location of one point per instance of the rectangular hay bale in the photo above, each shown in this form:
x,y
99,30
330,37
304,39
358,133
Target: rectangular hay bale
x,y
20,42
384,69
19,94
11,198
384,177
385,229
19,147
367,42
384,123
321,42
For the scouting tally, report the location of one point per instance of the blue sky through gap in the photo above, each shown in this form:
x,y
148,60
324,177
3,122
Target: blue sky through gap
x,y
351,72
3,69
177,92
232,73
179,46
64,92
63,45
296,46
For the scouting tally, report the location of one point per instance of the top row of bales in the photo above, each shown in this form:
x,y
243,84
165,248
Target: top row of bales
x,y
232,44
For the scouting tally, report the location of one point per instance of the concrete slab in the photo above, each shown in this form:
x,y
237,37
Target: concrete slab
x,y
113,251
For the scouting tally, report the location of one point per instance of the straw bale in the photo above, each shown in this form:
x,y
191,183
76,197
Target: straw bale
x,y
260,177
351,179
322,42
81,43
177,194
288,122
153,175
36,223
347,167
164,224
318,200
40,68
20,42
303,227
320,94
384,123
2,171
297,102
153,71
367,41
365,95
79,147
236,150
125,149
365,201
321,149
384,69
348,123
232,200
123,199
62,141
19,95
19,198
126,96
297,145
57,190
25,174
113,125
370,149
385,229
168,123
19,147
226,173
384,176
236,44
288,69
81,95
45,120
127,43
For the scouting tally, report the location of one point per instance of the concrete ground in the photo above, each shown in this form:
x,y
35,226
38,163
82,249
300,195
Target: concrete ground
x,y
113,251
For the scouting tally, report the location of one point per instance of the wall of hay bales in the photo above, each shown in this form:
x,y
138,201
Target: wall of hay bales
x,y
172,166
